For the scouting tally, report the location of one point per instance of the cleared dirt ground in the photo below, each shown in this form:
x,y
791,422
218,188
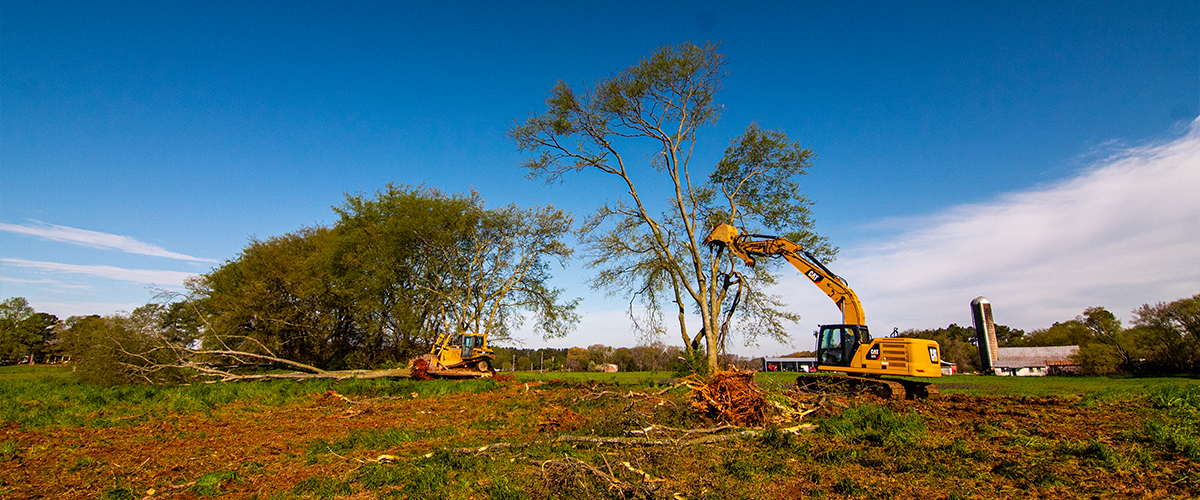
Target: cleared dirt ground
x,y
326,446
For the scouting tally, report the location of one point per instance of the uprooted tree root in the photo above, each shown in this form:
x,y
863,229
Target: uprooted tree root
x,y
729,396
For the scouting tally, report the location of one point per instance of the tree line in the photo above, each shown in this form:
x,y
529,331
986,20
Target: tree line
x,y
397,269
1164,338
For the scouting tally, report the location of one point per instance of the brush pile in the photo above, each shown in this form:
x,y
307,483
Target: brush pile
x,y
729,396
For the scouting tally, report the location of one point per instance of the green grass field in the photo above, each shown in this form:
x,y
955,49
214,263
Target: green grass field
x,y
989,437
975,385
45,395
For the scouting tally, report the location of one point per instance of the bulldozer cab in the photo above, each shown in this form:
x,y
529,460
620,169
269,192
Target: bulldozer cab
x,y
469,342
836,344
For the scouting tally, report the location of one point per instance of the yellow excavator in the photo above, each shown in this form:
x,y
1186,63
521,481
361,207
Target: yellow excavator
x,y
847,347
462,355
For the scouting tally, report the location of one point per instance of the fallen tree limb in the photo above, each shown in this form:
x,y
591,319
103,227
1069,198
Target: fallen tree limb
x,y
744,433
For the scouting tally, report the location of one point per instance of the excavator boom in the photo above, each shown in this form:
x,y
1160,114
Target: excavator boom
x,y
748,246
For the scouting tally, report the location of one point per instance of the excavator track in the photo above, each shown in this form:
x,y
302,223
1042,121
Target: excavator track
x,y
895,389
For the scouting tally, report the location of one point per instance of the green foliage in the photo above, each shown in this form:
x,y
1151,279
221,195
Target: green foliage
x,y
774,439
647,245
877,424
399,268
1072,332
122,349
24,333
1097,359
1170,333
1185,398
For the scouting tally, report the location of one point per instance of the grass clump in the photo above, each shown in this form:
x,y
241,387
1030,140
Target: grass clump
x,y
119,494
210,484
1175,428
440,475
873,423
374,439
321,487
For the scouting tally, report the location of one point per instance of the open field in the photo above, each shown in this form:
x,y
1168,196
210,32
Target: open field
x,y
988,437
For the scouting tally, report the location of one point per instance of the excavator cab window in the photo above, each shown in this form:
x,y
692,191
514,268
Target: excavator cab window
x,y
836,343
830,345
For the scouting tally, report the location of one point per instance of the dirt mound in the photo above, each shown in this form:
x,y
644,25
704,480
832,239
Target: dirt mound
x,y
420,369
729,396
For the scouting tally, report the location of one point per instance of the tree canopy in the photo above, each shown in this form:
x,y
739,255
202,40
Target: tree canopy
x,y
24,332
646,122
397,269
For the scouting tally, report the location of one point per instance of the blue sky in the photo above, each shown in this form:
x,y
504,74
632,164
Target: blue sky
x,y
144,142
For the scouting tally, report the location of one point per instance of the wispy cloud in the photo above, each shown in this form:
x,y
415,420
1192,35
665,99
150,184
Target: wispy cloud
x,y
147,276
95,239
56,283
1122,233
66,309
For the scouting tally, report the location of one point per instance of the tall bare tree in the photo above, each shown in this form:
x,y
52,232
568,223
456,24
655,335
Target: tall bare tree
x,y
645,122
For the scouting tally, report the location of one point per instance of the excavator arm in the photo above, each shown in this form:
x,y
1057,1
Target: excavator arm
x,y
848,347
750,246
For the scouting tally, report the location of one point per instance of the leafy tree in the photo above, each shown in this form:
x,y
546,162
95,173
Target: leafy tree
x,y
419,261
24,332
122,348
623,358
599,353
646,121
1170,333
1071,332
578,359
279,297
398,269
1097,359
1106,329
1009,337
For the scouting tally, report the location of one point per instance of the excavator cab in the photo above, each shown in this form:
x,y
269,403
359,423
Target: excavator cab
x,y
836,344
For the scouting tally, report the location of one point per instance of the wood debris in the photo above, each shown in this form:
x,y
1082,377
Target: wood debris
x,y
729,396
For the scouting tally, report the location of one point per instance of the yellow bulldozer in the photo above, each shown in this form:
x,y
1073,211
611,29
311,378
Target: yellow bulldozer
x,y
458,355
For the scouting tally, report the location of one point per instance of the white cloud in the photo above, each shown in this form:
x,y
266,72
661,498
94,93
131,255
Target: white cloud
x,y
56,283
64,310
95,239
1120,234
147,276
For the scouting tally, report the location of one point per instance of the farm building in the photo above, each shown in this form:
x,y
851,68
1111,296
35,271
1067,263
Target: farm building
x,y
1035,361
789,364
